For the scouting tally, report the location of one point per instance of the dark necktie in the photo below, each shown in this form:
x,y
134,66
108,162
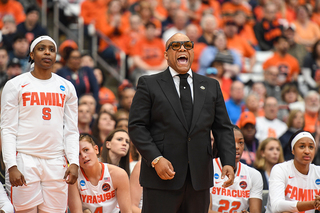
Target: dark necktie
x,y
185,98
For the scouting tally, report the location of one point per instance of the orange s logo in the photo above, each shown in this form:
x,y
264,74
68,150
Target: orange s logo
x,y
46,113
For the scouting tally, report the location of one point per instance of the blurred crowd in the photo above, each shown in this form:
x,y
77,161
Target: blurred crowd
x,y
228,36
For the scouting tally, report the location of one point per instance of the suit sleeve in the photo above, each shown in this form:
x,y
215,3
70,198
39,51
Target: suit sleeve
x,y
140,123
223,132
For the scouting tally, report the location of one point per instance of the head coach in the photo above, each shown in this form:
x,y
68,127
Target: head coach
x,y
170,120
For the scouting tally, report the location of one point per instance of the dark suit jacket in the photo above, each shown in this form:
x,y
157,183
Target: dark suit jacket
x,y
157,126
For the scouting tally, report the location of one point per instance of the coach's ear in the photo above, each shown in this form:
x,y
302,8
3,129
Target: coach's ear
x,y
166,55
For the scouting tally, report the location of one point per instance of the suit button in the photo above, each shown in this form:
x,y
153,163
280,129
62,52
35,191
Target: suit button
x,y
189,139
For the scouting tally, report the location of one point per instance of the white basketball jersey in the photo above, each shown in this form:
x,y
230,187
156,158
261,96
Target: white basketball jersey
x,y
39,118
247,184
100,198
287,186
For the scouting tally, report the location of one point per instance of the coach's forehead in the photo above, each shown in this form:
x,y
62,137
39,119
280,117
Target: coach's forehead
x,y
177,37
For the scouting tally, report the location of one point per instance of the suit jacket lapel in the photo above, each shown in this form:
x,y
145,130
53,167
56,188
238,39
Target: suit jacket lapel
x,y
167,85
199,91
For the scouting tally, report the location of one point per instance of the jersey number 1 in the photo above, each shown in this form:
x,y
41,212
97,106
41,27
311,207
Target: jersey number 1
x,y
46,113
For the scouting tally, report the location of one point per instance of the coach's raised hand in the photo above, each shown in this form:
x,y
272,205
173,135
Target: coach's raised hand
x,y
16,177
71,174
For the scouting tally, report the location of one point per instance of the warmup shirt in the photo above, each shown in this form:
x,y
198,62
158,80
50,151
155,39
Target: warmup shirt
x,y
287,186
100,198
235,198
39,118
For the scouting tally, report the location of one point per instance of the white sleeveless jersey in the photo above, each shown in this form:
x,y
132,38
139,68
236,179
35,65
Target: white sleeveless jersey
x,y
287,186
247,184
39,118
100,198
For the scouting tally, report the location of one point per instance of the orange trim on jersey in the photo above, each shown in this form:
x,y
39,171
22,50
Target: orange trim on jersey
x,y
218,163
84,174
11,196
239,168
102,173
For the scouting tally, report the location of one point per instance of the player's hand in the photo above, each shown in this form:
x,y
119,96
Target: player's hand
x,y
317,203
164,169
71,174
16,177
227,170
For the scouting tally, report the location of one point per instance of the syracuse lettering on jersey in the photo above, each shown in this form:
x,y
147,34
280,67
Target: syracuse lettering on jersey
x,y
43,98
98,198
301,194
230,192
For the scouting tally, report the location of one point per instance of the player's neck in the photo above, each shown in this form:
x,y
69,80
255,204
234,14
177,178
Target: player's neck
x,y
94,173
302,168
43,74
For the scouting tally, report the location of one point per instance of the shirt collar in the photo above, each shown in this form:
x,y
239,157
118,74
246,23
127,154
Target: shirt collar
x,y
175,73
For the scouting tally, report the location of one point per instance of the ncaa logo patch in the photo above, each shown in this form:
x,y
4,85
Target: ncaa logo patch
x,y
106,187
62,88
318,181
243,184
216,176
82,183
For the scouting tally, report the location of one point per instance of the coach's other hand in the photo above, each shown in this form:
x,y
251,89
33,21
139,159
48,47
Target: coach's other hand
x,y
227,170
16,177
71,174
164,169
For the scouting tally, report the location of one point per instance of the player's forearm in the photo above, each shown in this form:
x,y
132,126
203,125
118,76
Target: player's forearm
x,y
9,149
305,205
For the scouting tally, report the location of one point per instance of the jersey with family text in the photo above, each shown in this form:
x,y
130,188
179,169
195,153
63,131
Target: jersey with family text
x,y
39,118
287,186
247,184
100,198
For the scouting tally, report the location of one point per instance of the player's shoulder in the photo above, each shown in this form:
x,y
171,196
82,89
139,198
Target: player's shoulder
x,y
62,81
315,168
252,172
17,81
282,167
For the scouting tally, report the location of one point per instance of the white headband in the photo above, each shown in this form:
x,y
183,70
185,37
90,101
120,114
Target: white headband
x,y
41,38
301,135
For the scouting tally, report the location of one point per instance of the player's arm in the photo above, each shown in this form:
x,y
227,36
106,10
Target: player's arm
x,y
255,199
277,188
71,134
255,205
135,188
74,199
120,182
9,131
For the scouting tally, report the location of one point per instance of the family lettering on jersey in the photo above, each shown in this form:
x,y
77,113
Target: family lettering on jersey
x,y
98,198
43,99
230,192
301,194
